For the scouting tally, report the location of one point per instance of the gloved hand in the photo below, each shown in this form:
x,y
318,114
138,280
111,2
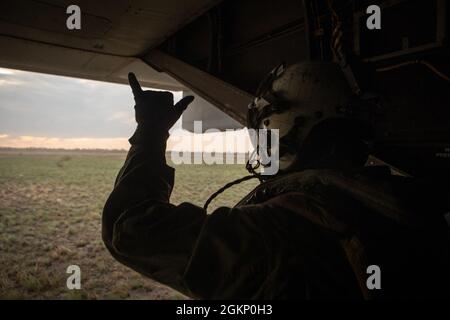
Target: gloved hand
x,y
155,109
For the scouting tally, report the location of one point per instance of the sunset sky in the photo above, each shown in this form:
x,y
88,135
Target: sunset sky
x,y
46,111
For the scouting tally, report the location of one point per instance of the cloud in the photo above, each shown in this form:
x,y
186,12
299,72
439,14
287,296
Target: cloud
x,y
42,105
6,71
62,143
9,82
122,116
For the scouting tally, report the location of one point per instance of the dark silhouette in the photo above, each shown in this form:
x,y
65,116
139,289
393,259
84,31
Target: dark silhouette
x,y
309,232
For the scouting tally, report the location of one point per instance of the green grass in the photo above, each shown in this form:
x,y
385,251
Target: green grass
x,y
50,211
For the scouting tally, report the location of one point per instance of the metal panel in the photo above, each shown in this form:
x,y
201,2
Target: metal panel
x,y
119,27
229,99
38,57
412,27
210,116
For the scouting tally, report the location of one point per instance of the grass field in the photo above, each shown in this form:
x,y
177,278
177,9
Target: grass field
x,y
50,211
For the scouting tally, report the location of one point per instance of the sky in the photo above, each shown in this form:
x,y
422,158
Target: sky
x,y
46,111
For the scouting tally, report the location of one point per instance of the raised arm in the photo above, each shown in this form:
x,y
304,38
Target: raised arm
x,y
222,255
139,226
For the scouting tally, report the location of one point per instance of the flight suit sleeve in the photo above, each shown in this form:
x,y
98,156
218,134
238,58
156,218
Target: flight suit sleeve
x,y
142,230
140,227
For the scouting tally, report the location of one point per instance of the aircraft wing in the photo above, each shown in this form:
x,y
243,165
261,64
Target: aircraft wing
x,y
113,35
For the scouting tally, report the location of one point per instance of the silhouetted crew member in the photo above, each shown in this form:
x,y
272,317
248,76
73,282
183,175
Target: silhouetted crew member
x,y
311,231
